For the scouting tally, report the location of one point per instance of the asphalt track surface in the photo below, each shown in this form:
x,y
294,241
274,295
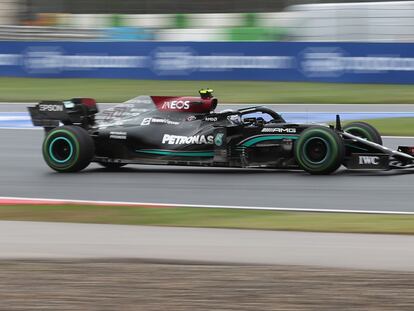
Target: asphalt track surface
x,y
37,240
24,174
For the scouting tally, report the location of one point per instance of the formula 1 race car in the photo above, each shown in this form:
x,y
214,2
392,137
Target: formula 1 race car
x,y
186,131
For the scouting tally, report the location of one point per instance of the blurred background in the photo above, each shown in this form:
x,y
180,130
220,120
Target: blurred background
x,y
263,40
207,20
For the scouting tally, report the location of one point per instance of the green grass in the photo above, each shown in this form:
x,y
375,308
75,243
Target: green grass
x,y
214,218
390,126
393,126
107,90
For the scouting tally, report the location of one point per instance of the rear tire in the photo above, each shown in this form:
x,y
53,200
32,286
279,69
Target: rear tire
x,y
364,130
68,149
319,150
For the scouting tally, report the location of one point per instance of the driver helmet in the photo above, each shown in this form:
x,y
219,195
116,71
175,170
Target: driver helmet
x,y
206,93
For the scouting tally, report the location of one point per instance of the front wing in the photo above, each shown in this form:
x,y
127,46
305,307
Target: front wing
x,y
385,158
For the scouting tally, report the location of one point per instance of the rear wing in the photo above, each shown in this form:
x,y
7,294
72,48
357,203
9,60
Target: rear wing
x,y
77,111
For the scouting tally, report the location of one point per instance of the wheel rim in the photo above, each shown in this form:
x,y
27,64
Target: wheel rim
x,y
316,150
60,149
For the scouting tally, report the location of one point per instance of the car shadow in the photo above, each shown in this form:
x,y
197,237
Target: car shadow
x,y
187,170
240,171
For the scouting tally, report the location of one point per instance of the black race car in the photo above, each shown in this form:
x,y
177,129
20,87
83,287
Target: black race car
x,y
186,131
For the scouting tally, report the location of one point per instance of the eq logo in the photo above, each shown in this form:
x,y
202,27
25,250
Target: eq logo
x,y
369,160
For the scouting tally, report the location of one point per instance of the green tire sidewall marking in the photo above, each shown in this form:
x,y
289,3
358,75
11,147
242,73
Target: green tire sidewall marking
x,y
51,147
357,129
46,154
325,135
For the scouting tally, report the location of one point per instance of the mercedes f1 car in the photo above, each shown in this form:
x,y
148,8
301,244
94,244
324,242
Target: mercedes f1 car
x,y
187,131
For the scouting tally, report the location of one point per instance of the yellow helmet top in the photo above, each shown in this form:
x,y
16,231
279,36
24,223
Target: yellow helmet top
x,y
206,93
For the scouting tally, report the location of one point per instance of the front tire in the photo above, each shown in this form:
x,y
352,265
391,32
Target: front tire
x,y
68,149
364,130
319,150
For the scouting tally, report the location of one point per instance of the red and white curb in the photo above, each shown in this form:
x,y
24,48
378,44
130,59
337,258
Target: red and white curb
x,y
43,201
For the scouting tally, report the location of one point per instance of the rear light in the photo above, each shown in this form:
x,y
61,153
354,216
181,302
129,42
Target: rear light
x,y
89,103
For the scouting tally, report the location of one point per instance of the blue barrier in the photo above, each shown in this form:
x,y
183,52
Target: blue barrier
x,y
271,61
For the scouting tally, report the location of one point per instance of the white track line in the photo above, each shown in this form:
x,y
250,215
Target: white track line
x,y
145,204
399,137
21,128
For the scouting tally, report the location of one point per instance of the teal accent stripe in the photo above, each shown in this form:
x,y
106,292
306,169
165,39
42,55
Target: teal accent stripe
x,y
51,151
177,153
267,137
